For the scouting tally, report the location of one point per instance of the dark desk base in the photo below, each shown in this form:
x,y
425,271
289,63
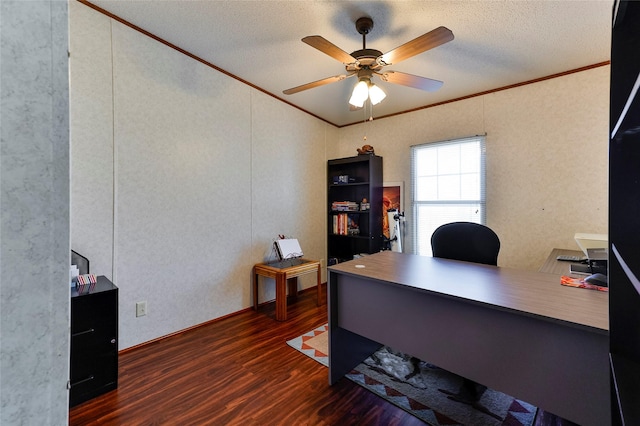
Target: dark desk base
x,y
547,363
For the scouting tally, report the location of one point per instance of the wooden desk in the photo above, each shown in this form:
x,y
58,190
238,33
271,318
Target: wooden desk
x,y
519,332
283,273
553,266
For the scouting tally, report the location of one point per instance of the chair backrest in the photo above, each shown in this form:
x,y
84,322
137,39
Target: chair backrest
x,y
466,241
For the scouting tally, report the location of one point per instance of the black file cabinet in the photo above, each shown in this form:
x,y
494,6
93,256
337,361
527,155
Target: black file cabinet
x,y
94,340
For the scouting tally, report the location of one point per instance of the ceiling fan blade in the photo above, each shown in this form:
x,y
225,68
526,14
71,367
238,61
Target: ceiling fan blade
x,y
434,38
325,46
411,80
316,84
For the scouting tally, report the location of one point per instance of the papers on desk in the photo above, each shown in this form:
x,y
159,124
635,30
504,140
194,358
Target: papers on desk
x,y
580,283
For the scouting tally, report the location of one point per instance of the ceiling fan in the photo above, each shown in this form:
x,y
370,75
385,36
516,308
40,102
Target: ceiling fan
x,y
365,63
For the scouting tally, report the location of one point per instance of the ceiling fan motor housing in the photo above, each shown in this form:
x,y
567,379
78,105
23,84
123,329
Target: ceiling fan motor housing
x,y
366,58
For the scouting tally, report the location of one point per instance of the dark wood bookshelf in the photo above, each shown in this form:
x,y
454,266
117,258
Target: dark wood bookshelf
x,y
354,179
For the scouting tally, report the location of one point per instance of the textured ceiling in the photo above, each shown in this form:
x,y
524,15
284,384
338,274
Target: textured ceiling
x,y
497,43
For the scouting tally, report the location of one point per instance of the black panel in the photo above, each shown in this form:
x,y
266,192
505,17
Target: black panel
x,y
624,214
624,312
625,45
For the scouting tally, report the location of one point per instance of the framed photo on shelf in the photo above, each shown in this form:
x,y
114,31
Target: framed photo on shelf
x,y
392,198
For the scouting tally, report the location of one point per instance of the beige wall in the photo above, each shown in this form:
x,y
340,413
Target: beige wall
x,y
547,158
183,176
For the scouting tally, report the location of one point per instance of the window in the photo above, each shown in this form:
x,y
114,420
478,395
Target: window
x,y
448,185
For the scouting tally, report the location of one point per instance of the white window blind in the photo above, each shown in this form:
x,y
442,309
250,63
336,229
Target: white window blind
x,y
447,185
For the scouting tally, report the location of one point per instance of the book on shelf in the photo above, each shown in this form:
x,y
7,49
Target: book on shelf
x,y
345,224
344,206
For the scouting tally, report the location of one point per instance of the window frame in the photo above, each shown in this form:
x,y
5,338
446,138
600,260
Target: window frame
x,y
417,204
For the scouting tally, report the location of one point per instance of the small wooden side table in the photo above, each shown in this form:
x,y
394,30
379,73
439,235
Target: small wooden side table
x,y
285,272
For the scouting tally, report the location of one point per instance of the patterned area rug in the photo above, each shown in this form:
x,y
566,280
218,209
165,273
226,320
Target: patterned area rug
x,y
415,386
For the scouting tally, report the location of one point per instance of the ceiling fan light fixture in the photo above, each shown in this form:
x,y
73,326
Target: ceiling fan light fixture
x,y
360,94
366,90
376,94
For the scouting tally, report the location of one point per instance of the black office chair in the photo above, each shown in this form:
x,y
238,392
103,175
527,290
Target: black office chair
x,y
469,242
466,241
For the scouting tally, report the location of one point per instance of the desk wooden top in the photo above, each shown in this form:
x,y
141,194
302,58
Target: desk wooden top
x,y
528,292
554,266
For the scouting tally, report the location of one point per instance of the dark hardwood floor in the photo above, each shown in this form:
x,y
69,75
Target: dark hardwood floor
x,y
237,371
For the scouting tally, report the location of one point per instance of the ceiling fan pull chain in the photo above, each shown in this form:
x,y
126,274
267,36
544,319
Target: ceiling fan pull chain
x,y
364,113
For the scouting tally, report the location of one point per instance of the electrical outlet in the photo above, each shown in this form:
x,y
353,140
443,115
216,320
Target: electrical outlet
x,y
141,308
